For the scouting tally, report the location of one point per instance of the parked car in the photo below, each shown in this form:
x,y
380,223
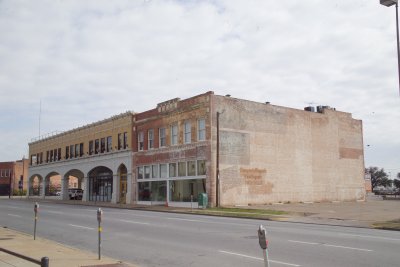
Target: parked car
x,y
75,193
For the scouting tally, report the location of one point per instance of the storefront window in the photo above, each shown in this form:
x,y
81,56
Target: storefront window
x,y
172,170
182,190
144,191
158,191
201,167
154,171
181,169
191,168
146,171
163,171
140,172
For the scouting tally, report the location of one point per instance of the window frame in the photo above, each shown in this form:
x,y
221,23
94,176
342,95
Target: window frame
x,y
201,132
187,132
174,134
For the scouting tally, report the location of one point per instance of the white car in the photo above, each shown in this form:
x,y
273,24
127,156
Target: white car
x,y
75,193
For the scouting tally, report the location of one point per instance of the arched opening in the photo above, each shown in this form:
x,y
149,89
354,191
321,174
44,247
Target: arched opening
x,y
53,184
73,184
100,184
122,174
35,185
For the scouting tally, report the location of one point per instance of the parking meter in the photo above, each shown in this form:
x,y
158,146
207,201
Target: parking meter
x,y
99,215
262,237
35,209
262,240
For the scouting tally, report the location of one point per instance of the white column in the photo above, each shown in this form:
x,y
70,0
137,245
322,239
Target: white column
x,y
115,190
64,188
86,189
167,200
129,188
43,188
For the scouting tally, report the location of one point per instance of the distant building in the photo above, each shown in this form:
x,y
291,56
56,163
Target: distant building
x,y
14,172
262,154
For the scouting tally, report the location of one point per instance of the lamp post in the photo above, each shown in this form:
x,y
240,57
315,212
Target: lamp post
x,y
389,3
217,176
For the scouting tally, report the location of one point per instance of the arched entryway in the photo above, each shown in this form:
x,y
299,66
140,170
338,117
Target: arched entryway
x,y
35,185
122,174
52,184
100,184
73,179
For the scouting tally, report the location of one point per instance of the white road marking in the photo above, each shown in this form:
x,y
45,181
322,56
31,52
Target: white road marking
x,y
328,245
302,242
376,237
55,212
83,227
361,249
133,222
256,258
225,223
187,220
14,215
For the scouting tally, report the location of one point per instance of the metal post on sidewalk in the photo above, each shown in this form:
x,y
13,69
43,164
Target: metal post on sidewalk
x,y
44,262
191,203
99,215
36,209
262,240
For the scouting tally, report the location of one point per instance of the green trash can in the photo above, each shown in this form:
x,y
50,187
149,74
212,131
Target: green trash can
x,y
203,200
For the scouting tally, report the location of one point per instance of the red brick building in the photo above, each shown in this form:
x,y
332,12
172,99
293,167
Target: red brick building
x,y
172,151
13,172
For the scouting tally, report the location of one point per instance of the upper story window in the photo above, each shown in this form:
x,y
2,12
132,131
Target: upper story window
x,y
71,151
102,145
174,134
109,144
120,141
140,141
91,147
125,140
188,132
96,146
162,135
201,130
150,139
77,151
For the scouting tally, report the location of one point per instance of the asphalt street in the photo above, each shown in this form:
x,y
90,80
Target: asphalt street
x,y
149,238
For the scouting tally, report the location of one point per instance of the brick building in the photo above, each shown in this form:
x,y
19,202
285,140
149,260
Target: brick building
x,y
261,153
14,172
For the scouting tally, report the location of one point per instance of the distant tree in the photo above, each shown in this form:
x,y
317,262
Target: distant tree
x,y
378,177
397,181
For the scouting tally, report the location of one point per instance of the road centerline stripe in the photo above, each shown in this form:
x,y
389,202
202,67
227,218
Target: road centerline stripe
x,y
14,215
256,258
361,249
302,242
370,236
80,226
127,221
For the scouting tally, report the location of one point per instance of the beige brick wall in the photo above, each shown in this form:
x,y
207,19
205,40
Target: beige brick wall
x,y
274,154
108,127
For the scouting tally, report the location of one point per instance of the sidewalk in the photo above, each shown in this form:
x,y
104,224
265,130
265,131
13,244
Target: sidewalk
x,y
59,255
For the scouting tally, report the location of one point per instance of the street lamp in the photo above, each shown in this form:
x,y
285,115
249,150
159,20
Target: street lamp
x,y
391,3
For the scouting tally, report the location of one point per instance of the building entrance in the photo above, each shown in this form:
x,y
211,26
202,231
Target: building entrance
x,y
100,184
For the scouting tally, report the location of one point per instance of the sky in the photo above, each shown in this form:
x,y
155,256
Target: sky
x,y
65,64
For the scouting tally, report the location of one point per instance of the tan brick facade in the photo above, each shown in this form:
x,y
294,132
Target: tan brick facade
x,y
267,153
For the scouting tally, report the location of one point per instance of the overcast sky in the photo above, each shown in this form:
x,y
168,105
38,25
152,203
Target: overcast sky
x,y
88,60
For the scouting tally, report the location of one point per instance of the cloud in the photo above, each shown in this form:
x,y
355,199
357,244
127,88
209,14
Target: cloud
x,y
87,60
